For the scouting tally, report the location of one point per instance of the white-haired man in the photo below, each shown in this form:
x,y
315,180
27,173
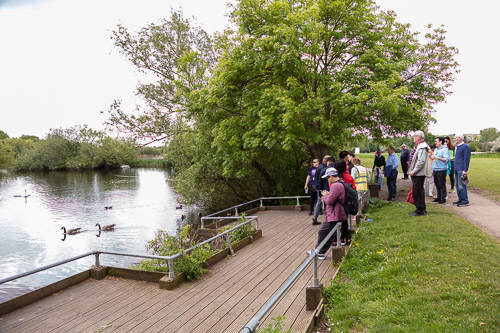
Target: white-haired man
x,y
418,166
462,161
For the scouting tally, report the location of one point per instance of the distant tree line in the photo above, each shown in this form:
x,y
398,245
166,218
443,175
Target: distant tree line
x,y
76,148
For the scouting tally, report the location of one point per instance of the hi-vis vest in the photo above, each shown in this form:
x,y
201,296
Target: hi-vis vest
x,y
361,178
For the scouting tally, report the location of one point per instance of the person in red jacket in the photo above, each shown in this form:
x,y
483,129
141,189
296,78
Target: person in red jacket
x,y
343,174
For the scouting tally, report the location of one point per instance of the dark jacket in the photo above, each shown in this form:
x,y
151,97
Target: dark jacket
x,y
462,157
405,155
317,176
323,181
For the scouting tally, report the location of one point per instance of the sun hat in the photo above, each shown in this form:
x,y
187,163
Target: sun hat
x,y
330,172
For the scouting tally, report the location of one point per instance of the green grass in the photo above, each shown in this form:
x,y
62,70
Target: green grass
x,y
437,273
484,173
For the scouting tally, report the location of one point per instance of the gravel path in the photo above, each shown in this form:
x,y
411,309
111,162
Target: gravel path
x,y
482,212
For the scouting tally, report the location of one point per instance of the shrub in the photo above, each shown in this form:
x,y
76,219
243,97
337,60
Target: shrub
x,y
166,245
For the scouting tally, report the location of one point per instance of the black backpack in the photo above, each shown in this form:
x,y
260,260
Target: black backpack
x,y
351,204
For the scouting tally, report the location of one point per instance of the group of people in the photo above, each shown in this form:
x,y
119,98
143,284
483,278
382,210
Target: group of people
x,y
324,179
437,162
325,182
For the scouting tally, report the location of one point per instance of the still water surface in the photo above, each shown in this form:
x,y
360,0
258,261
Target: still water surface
x,y
30,228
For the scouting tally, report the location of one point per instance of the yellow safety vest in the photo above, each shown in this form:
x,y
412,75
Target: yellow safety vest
x,y
361,179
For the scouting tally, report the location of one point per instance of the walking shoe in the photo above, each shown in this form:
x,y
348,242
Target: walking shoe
x,y
463,204
442,202
417,214
431,195
451,190
455,202
315,222
334,244
393,199
343,241
321,256
435,200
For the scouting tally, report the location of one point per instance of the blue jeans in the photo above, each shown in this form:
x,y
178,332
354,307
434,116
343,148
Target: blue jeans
x,y
391,186
461,187
318,207
379,180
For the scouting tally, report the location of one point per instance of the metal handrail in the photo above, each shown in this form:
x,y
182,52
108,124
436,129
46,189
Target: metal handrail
x,y
211,216
169,259
252,324
33,271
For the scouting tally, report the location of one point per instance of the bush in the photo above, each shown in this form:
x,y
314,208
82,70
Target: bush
x,y
166,245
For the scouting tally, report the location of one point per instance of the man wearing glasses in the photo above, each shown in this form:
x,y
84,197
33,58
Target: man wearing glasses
x,y
462,161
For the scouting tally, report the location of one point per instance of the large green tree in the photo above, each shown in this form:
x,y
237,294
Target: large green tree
x,y
294,80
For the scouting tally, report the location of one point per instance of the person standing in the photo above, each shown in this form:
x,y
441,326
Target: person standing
x,y
418,164
334,211
309,186
321,184
440,157
378,172
462,161
361,175
391,173
451,164
405,156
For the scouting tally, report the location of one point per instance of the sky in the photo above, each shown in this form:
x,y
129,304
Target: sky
x,y
59,67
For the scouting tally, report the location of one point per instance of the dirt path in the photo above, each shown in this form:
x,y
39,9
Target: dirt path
x,y
482,212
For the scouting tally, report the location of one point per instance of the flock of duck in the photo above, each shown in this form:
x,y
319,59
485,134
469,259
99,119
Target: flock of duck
x,y
75,231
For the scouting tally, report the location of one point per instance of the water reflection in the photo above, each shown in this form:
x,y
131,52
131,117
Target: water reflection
x,y
141,200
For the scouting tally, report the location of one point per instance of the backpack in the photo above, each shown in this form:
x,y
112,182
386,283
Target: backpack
x,y
351,204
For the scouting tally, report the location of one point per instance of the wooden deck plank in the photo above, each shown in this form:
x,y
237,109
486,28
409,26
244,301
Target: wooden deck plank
x,y
249,271
221,301
105,314
210,284
57,314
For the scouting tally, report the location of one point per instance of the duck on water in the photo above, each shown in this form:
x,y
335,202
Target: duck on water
x,y
70,231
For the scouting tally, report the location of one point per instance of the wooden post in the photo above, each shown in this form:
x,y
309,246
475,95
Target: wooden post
x,y
313,297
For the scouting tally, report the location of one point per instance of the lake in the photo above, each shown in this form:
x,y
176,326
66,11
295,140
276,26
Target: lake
x,y
142,202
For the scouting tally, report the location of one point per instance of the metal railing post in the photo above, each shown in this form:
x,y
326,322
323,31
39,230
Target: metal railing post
x,y
97,263
202,223
171,273
315,281
228,239
338,236
236,211
261,203
298,203
257,224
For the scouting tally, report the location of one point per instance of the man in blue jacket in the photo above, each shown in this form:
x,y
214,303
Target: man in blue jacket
x,y
391,172
462,161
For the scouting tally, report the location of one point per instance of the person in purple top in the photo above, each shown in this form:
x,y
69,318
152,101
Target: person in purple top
x,y
462,161
309,186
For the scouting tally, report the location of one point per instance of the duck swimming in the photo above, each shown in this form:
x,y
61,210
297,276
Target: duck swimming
x,y
70,231
108,227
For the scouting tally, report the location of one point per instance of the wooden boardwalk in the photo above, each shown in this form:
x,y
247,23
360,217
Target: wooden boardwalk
x,y
222,301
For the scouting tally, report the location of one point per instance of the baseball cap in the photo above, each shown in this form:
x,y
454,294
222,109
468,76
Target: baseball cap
x,y
330,172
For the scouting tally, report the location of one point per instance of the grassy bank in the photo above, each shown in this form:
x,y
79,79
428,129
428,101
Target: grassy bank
x,y
484,173
436,273
150,163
